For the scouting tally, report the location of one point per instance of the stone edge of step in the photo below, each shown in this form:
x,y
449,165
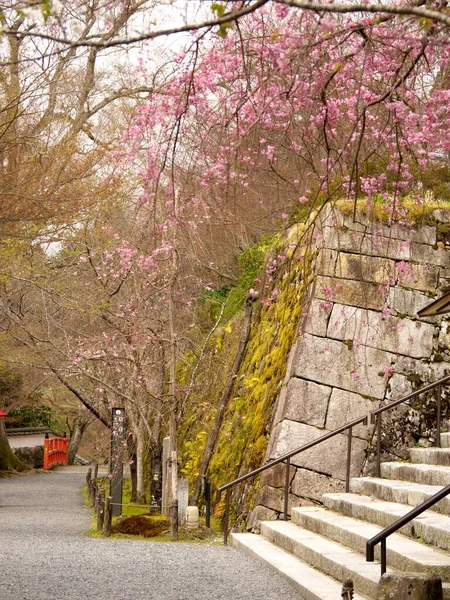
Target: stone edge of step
x,y
298,573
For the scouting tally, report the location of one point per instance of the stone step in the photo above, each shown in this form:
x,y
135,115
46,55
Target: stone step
x,y
402,492
430,456
333,559
445,439
312,584
416,473
403,553
430,526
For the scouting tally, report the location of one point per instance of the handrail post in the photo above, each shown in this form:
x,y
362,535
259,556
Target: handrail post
x,y
383,556
438,420
286,488
378,445
226,517
349,460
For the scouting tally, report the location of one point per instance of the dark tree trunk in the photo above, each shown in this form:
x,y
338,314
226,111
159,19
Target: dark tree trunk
x,y
76,435
132,458
156,472
8,460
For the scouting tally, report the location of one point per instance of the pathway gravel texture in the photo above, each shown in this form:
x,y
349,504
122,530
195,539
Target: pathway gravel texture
x,y
45,554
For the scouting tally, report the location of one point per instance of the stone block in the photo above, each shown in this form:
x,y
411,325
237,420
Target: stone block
x,y
365,268
346,291
425,234
347,406
32,457
313,486
409,302
425,254
307,402
334,363
328,457
402,336
399,386
258,514
273,498
326,262
276,476
419,277
442,215
317,319
425,372
409,586
367,244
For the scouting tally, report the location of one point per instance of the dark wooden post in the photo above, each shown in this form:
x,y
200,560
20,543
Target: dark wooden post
x,y
93,494
100,508
108,517
95,470
174,520
89,483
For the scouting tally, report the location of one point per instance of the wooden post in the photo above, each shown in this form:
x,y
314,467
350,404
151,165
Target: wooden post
x,y
165,486
95,470
93,495
108,517
174,490
174,520
89,483
100,508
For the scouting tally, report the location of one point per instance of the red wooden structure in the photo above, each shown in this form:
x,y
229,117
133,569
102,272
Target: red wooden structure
x,y
55,452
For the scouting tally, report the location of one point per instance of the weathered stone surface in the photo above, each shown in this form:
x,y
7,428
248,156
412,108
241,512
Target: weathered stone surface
x,y
347,240
425,234
424,372
409,302
31,457
409,586
419,277
347,406
327,457
355,266
365,268
399,386
273,498
317,320
444,335
260,513
311,485
425,254
326,262
402,336
307,401
347,291
333,363
442,215
276,476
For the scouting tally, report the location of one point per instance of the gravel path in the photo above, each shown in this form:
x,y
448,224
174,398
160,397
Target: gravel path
x,y
46,555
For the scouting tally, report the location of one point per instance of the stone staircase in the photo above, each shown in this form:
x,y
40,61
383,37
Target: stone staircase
x,y
321,547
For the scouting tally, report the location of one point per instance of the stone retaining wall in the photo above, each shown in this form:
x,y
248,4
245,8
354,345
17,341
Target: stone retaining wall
x,y
360,344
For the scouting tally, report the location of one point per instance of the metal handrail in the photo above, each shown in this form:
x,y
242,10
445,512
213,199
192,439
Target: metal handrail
x,y
412,514
375,415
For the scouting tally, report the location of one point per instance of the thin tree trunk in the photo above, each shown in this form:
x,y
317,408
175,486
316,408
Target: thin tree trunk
x,y
76,435
156,463
140,487
132,459
224,399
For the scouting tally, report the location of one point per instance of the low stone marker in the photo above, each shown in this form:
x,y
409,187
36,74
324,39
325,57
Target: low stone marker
x,y
409,586
192,517
183,499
